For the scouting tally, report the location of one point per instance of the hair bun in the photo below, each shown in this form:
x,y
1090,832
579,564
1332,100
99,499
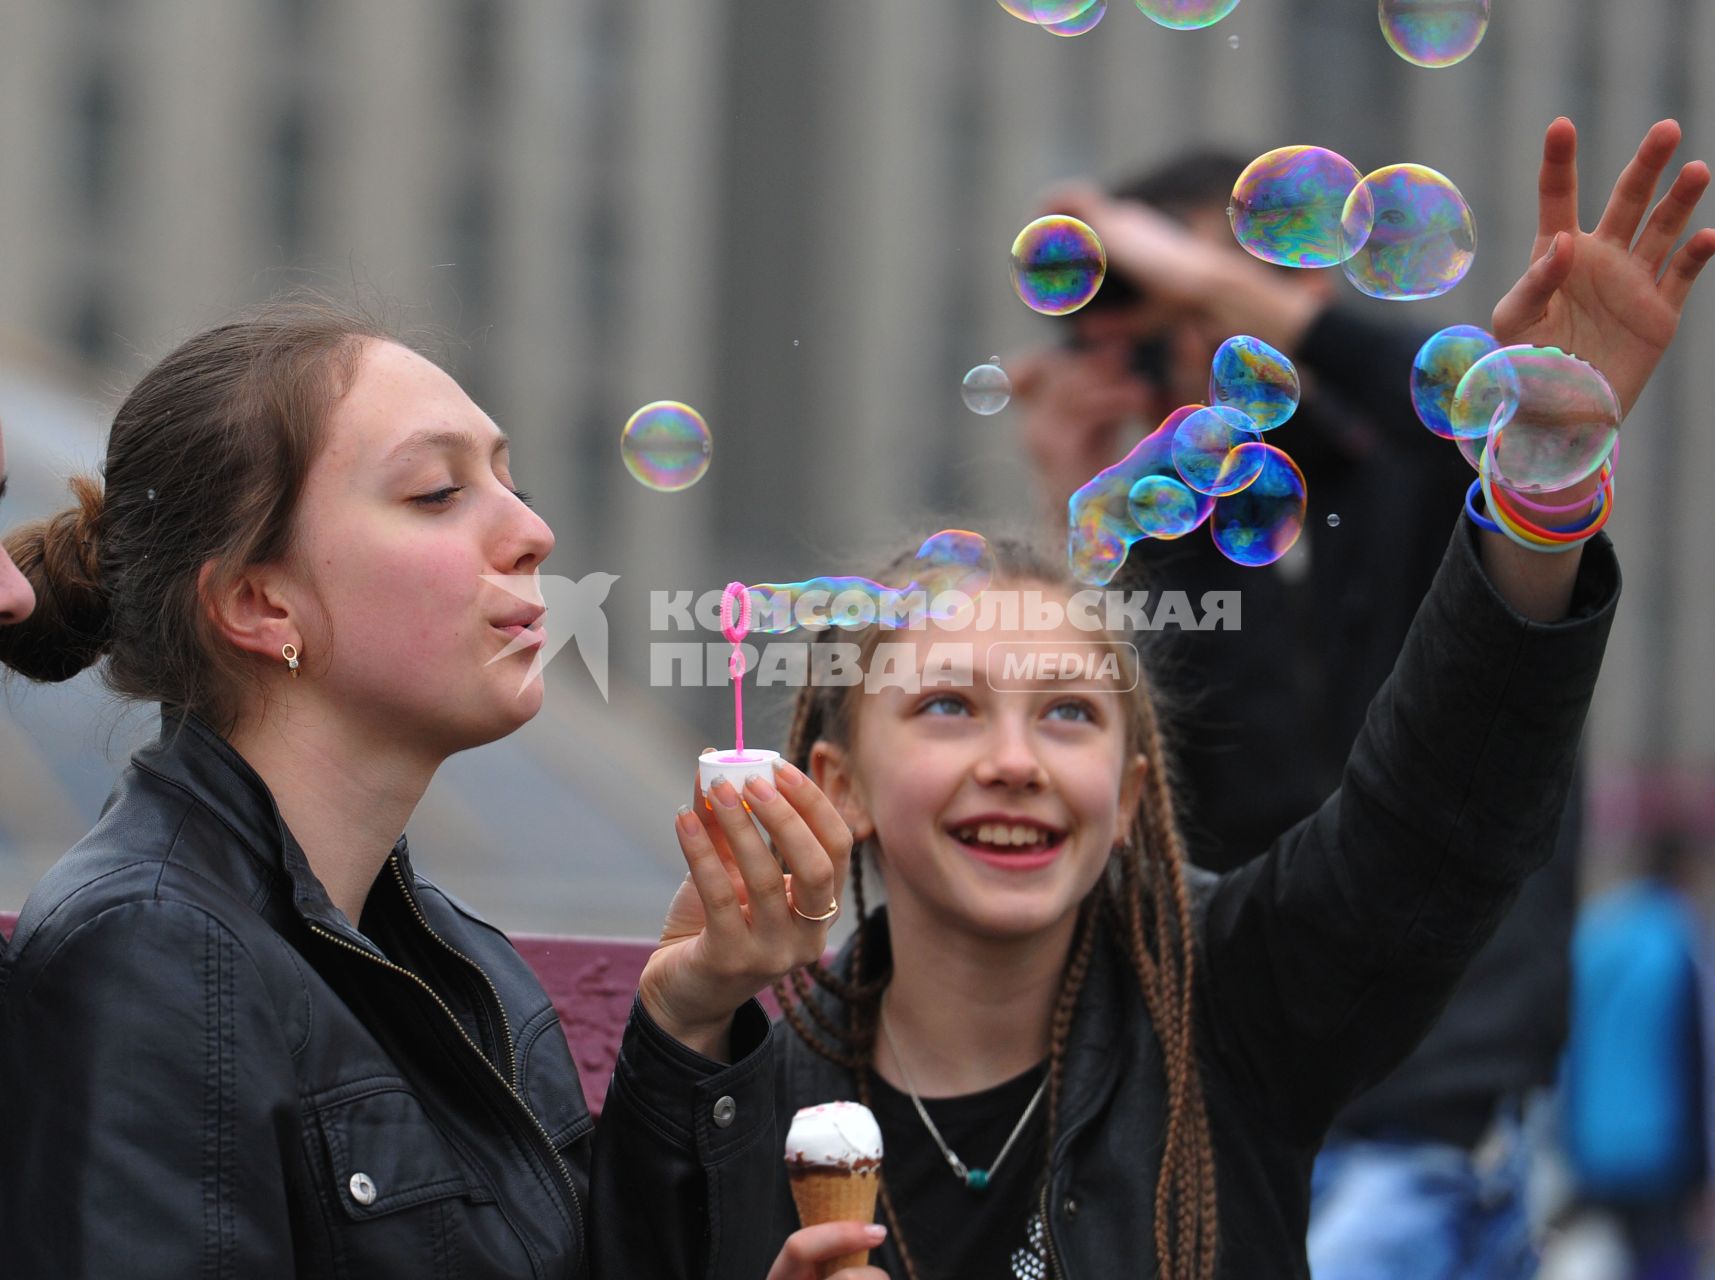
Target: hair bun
x,y
60,557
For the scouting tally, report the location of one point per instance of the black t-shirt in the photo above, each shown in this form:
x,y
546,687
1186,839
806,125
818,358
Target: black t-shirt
x,y
952,1231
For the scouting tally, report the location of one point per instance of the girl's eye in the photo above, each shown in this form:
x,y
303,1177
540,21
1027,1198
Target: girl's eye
x,y
944,705
1072,710
523,497
439,498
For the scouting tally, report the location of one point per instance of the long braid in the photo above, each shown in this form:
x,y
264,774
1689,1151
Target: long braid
x,y
1146,897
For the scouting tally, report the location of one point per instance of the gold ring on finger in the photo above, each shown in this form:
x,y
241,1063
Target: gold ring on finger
x,y
832,911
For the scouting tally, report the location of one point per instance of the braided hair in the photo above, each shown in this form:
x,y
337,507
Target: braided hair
x,y
1144,898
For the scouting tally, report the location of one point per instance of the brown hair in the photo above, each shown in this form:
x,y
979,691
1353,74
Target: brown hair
x,y
1143,895
205,463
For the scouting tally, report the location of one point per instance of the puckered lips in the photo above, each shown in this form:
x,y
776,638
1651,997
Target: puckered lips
x,y
525,622
1010,841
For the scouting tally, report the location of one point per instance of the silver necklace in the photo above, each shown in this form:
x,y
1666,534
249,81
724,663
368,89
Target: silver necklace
x,y
975,1179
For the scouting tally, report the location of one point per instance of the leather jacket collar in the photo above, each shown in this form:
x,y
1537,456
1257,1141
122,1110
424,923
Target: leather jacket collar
x,y
191,756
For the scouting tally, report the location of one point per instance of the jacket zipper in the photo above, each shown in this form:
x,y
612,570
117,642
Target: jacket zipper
x,y
565,1173
1048,1234
505,1022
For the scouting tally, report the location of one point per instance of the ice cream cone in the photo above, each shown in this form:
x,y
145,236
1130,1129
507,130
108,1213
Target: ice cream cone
x,y
833,1154
835,1195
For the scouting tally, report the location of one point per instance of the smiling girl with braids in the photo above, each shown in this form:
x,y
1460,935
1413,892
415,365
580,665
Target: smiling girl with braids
x,y
1089,1059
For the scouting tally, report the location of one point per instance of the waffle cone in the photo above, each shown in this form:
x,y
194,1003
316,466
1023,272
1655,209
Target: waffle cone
x,y
836,1196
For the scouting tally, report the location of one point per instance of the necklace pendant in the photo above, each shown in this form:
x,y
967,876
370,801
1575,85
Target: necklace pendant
x,y
977,1179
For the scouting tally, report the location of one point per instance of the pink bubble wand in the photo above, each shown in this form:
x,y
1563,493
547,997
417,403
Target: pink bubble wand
x,y
736,598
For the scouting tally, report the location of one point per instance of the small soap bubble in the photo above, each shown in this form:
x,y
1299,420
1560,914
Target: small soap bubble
x,y
666,446
794,342
1216,451
1333,520
1298,207
1164,507
1186,15
1552,419
1440,364
1249,375
151,495
1084,23
1042,12
1057,265
1232,42
1434,33
1422,238
1101,524
986,389
1259,525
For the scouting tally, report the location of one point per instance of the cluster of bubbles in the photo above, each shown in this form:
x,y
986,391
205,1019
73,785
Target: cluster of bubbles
x,y
1401,233
950,569
1204,463
1434,33
1076,17
1545,418
1058,263
666,446
986,389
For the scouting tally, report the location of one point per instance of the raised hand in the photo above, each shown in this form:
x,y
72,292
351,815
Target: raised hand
x,y
738,923
1612,296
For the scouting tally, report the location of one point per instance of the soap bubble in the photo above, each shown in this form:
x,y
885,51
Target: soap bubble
x,y
666,446
1422,238
1082,24
1259,525
1232,42
1216,451
1100,520
1434,33
950,569
1249,375
1042,12
1164,507
1289,204
1057,265
1552,418
1441,362
986,389
1333,520
1186,15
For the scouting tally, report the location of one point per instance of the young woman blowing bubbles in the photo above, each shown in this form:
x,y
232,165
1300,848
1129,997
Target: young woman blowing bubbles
x,y
240,1035
1088,1059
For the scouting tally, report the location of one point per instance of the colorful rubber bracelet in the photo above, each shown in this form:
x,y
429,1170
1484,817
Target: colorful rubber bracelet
x,y
1506,528
1477,517
1518,499
1504,502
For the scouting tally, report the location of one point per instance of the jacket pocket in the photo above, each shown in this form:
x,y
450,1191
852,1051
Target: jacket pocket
x,y
403,1202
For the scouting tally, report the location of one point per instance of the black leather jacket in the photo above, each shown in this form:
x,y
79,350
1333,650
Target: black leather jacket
x,y
1325,959
207,1071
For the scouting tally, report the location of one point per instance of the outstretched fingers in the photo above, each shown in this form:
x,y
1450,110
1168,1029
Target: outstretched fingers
x,y
1682,272
1635,187
1557,184
1672,215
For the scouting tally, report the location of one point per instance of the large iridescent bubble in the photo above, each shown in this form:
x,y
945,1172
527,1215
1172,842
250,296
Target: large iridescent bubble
x,y
1101,522
950,569
1422,238
1057,264
1249,375
1259,524
1164,507
1441,362
666,446
1186,15
1552,419
1289,206
1216,451
1434,33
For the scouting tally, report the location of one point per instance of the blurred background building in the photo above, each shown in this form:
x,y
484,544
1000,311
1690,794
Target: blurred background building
x,y
792,214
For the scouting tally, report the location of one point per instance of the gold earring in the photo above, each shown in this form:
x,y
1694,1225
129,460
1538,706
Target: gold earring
x,y
290,653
